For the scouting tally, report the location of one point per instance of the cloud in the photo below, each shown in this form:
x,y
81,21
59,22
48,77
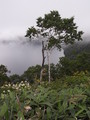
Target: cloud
x,y
18,54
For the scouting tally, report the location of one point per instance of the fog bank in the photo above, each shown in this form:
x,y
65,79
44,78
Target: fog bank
x,y
18,54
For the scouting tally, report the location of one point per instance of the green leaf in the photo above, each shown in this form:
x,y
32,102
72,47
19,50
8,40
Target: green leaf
x,y
65,104
46,103
7,116
20,115
12,96
79,112
4,109
49,113
88,113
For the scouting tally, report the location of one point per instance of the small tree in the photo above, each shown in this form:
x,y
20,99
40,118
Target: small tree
x,y
3,74
32,73
53,31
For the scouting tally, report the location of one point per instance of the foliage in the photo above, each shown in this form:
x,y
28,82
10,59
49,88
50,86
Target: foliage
x,y
15,78
32,73
23,101
83,61
3,70
3,74
55,30
81,80
67,66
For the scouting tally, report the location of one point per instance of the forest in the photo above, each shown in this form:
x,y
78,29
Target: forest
x,y
50,91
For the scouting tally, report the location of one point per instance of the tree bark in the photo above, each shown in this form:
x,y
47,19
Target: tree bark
x,y
48,59
43,61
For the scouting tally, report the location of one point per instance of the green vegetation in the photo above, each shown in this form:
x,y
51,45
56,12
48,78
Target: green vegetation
x,y
67,96
64,99
68,66
3,74
77,48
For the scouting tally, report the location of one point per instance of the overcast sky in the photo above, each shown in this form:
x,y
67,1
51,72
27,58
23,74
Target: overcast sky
x,y
17,15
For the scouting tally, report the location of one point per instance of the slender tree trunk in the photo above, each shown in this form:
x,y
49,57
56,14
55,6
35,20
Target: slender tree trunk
x,y
43,61
48,59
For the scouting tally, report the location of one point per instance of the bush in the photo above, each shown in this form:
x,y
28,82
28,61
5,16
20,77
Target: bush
x,y
21,101
68,66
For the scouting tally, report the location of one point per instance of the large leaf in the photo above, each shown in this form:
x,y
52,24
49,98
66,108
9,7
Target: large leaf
x,y
49,113
88,113
4,109
46,103
20,115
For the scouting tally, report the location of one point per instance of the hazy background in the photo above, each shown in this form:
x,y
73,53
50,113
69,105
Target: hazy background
x,y
17,15
18,54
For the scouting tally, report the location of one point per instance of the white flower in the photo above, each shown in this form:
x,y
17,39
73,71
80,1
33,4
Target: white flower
x,y
17,88
21,81
13,85
6,85
27,108
35,94
4,91
8,90
23,85
28,85
9,84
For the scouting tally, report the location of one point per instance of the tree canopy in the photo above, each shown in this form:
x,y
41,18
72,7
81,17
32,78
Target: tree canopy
x,y
55,30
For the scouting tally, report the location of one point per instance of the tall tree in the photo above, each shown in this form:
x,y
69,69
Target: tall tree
x,y
53,31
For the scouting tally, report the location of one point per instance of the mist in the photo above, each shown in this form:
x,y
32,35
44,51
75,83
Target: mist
x,y
17,54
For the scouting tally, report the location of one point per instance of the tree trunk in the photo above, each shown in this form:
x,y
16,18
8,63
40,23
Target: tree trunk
x,y
48,59
43,61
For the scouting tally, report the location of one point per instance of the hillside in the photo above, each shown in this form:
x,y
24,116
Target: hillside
x,y
82,46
